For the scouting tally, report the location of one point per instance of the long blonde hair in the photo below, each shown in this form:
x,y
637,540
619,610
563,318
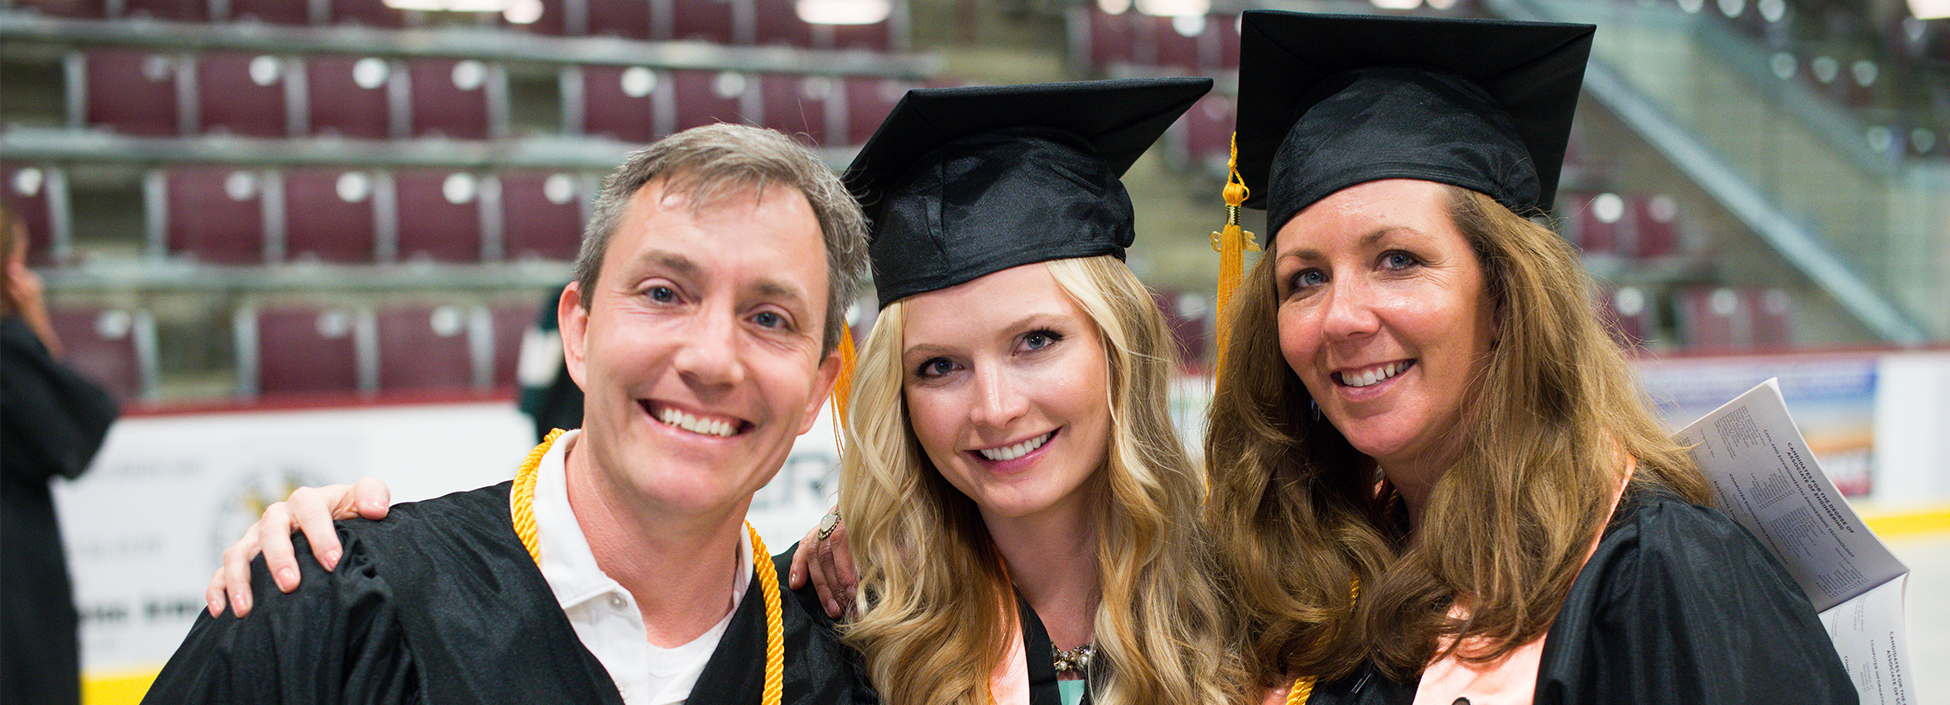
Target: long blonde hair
x,y
1298,519
935,604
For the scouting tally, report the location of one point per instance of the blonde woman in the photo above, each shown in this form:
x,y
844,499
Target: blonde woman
x,y
1025,520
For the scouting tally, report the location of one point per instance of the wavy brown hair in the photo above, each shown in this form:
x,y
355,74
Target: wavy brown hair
x,y
1300,516
936,609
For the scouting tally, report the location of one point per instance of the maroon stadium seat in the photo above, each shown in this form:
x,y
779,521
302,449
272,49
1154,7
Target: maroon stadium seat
x,y
1108,40
430,347
1629,329
1173,49
703,97
439,215
450,98
1655,226
776,23
132,91
285,12
1205,133
1590,224
89,9
242,93
868,100
1226,28
303,349
629,19
115,347
541,215
1773,317
621,102
172,10
367,13
347,95
802,106
1713,318
214,214
714,21
330,215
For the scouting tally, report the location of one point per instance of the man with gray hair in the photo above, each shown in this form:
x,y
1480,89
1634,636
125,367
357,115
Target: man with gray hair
x,y
616,567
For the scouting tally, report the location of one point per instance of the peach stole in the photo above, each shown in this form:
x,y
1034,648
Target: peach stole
x,y
1511,680
1009,680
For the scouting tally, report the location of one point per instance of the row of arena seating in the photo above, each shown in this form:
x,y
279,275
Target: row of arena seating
x,y
144,93
1705,318
224,215
1627,226
288,350
1107,44
730,22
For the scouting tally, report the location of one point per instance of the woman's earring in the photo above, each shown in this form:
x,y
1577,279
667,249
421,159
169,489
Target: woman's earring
x,y
1316,408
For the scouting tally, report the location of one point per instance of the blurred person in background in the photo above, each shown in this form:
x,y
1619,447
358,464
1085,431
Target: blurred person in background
x,y
547,394
54,422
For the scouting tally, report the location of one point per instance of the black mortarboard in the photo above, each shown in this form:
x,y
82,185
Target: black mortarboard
x,y
963,182
1331,101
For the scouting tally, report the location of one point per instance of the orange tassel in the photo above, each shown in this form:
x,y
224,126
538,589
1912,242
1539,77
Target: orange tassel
x,y
843,386
1231,243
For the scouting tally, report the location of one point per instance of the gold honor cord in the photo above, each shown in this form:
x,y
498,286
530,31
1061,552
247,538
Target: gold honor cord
x,y
1231,242
1303,687
522,507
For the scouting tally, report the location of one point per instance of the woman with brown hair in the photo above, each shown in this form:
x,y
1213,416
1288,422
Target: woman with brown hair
x,y
1428,457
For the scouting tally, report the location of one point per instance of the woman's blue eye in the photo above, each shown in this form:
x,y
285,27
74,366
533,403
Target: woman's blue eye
x,y
1038,340
1397,260
937,367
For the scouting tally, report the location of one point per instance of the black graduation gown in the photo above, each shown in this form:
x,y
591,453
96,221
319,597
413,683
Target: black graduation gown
x,y
52,420
1679,604
441,603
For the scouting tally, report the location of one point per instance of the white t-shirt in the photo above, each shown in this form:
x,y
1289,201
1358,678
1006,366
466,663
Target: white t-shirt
x,y
605,615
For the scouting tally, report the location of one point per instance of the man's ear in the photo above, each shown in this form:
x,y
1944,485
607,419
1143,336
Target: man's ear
x,y
573,321
829,370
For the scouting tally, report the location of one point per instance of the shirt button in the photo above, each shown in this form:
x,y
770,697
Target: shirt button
x,y
1460,701
616,602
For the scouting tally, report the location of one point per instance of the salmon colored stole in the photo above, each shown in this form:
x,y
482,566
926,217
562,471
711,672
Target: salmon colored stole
x,y
1511,680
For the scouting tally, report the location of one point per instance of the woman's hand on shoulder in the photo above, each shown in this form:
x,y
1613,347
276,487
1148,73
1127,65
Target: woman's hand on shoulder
x,y
828,563
310,510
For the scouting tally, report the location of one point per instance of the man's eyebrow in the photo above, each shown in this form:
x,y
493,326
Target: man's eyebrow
x,y
778,289
672,261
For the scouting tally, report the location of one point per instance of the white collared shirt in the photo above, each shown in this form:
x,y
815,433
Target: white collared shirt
x,y
605,615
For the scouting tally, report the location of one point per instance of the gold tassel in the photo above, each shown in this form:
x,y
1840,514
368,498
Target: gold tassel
x,y
1231,243
843,386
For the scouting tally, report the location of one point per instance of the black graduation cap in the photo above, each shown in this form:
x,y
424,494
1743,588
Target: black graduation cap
x,y
1331,101
963,182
